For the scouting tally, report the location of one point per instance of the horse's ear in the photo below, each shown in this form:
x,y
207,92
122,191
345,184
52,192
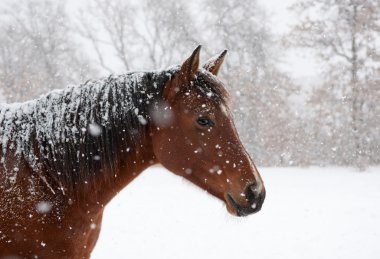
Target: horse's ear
x,y
186,74
213,64
189,68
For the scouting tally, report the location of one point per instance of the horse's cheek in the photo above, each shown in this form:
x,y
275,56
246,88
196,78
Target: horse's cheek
x,y
161,147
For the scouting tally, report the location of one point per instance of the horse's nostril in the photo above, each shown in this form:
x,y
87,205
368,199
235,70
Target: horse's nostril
x,y
254,195
252,192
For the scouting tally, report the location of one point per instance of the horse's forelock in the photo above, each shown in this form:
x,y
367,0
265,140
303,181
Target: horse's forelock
x,y
210,85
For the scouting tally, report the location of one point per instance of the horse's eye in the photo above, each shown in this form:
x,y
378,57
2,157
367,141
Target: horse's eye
x,y
205,122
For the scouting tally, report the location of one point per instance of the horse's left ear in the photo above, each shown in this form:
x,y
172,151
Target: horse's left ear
x,y
213,64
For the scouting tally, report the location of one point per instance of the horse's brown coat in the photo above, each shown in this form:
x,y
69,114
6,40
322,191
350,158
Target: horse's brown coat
x,y
209,155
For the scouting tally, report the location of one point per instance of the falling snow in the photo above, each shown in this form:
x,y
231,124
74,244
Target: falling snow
x,y
94,129
44,207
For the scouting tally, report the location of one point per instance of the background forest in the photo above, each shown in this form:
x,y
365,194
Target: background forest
x,y
325,113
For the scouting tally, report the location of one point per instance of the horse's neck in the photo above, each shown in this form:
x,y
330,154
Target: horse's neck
x,y
130,166
131,157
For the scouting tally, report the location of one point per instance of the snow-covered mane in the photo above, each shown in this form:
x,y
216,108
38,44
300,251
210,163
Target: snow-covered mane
x,y
80,130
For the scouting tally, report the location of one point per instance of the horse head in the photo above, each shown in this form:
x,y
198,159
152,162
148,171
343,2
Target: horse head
x,y
195,137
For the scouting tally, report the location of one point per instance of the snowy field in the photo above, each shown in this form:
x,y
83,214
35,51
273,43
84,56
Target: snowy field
x,y
309,213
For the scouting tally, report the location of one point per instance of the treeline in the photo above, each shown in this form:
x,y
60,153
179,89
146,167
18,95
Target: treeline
x,y
47,44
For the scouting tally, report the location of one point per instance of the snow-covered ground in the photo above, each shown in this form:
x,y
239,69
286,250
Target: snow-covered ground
x,y
308,213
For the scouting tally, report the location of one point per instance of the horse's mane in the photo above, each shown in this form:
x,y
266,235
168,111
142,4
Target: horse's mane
x,y
80,131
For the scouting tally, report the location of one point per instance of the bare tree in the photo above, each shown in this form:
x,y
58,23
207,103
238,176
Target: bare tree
x,y
36,50
150,34
239,26
111,24
344,32
170,31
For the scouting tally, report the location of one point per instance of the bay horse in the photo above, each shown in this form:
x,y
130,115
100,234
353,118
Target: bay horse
x,y
65,155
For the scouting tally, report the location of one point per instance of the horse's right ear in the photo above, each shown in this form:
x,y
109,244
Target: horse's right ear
x,y
189,68
186,74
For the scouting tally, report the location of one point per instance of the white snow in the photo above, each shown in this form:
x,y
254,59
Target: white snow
x,y
94,129
162,115
44,207
308,213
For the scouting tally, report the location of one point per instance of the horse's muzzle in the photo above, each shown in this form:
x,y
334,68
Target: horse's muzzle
x,y
255,197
